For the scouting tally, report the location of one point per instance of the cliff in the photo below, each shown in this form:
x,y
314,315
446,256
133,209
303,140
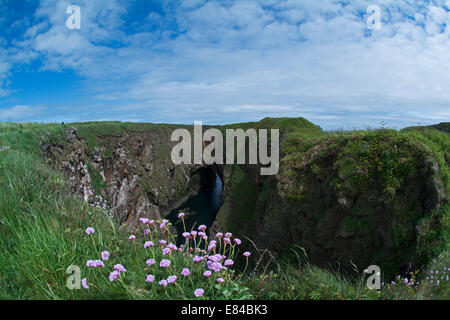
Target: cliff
x,y
347,198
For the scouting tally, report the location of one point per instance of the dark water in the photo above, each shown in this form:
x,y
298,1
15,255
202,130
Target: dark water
x,y
206,203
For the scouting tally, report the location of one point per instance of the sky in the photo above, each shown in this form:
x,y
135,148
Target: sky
x,y
226,61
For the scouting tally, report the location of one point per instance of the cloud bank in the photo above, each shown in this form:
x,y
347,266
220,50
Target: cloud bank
x,y
231,61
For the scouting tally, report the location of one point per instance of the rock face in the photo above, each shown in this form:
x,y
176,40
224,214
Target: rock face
x,y
349,200
373,197
131,171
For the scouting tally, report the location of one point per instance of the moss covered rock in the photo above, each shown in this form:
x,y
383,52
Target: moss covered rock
x,y
354,198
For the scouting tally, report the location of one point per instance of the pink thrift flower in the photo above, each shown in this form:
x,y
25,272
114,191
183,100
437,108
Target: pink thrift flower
x,y
114,275
186,235
149,278
246,254
228,263
212,245
216,258
165,263
164,224
90,263
185,272
201,234
90,230
165,251
171,246
202,227
220,280
146,231
164,283
199,292
98,264
172,279
162,242
84,283
228,234
152,222
207,274
150,262
132,237
144,220
180,215
194,233
120,268
148,244
219,235
237,241
105,255
197,259
227,240
216,266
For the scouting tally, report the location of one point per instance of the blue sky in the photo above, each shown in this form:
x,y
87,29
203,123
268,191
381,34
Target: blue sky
x,y
226,61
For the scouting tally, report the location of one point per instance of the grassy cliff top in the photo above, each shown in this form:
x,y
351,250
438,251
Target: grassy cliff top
x,y
296,134
443,126
42,227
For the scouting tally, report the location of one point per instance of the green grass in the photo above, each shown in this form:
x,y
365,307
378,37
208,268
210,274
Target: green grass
x,y
438,143
42,233
95,133
303,281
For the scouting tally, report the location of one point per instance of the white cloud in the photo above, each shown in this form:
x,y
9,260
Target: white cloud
x,y
243,60
4,72
19,113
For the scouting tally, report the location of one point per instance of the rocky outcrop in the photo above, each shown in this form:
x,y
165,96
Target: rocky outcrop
x,y
130,173
362,199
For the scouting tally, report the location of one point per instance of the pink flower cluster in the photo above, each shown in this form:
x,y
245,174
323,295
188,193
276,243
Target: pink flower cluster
x,y
95,264
210,258
149,244
118,270
164,224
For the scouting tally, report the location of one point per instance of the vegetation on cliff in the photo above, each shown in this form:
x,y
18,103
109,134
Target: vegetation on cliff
x,y
42,226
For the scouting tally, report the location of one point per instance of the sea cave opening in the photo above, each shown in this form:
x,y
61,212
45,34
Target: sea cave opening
x,y
201,208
